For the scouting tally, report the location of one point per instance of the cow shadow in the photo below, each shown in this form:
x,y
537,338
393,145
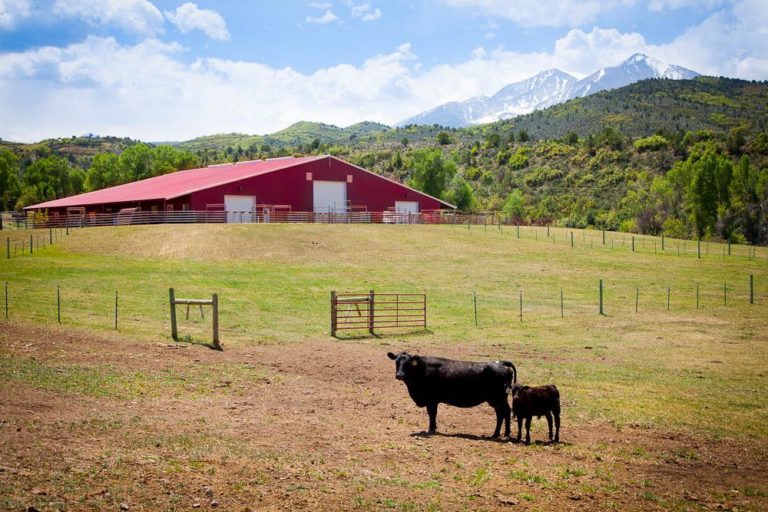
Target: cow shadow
x,y
459,435
500,439
539,442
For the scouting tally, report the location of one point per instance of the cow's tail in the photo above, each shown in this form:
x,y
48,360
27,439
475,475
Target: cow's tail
x,y
512,375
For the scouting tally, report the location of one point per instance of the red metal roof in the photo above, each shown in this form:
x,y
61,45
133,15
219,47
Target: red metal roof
x,y
181,183
176,184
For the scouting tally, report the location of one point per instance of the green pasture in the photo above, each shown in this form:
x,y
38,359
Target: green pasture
x,y
652,359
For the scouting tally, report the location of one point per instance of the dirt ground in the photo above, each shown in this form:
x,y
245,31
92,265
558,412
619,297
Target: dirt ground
x,y
317,425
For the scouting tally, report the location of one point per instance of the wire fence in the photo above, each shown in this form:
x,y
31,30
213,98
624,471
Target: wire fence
x,y
147,311
18,243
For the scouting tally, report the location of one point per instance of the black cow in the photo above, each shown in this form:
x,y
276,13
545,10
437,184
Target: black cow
x,y
528,402
435,380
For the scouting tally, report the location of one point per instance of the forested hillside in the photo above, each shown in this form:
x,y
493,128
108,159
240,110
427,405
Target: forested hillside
x,y
686,158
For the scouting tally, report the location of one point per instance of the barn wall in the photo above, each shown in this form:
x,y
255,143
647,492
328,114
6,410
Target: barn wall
x,y
290,186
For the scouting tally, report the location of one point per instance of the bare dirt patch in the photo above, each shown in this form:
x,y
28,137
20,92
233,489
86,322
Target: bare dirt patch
x,y
314,425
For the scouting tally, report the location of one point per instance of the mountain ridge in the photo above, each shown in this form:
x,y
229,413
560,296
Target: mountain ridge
x,y
546,88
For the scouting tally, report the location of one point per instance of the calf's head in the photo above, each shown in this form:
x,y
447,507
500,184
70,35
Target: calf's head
x,y
405,364
517,390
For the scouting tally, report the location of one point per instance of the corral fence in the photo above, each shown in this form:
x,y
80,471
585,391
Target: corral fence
x,y
132,216
371,311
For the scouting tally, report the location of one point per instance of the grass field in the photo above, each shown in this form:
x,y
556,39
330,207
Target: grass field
x,y
688,380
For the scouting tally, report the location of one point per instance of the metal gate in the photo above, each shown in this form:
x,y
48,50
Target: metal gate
x,y
371,311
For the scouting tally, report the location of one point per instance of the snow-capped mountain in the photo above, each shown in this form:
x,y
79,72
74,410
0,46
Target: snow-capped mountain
x,y
546,89
637,67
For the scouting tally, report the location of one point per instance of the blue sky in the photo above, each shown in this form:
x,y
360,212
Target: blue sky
x,y
173,70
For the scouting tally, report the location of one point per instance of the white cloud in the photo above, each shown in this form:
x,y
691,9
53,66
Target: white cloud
x,y
730,42
13,10
364,11
138,16
579,50
327,17
667,5
189,17
150,91
542,13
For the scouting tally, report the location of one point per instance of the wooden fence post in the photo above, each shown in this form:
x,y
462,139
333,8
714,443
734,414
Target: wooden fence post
x,y
172,301
669,292
215,307
662,242
6,300
58,302
115,309
8,247
371,313
31,251
698,249
521,306
633,244
601,296
697,296
333,314
751,288
637,298
474,298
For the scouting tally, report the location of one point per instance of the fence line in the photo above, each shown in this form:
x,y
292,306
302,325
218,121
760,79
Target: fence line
x,y
542,303
590,238
24,243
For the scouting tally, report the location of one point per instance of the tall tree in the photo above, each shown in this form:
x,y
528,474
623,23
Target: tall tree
x,y
431,171
9,180
104,172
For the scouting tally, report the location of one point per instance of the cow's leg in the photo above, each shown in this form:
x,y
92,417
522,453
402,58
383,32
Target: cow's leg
x,y
519,427
499,420
432,411
549,423
528,429
557,425
506,412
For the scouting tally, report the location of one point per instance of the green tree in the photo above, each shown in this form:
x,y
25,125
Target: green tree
x,y
136,163
46,179
443,138
460,194
168,159
9,181
709,191
104,172
514,206
430,171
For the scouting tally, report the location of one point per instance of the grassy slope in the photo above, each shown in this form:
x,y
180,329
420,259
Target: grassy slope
x,y
656,367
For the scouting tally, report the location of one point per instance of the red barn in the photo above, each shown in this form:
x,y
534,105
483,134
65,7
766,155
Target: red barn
x,y
319,184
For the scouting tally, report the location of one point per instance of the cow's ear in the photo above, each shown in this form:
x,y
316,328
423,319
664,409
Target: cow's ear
x,y
391,355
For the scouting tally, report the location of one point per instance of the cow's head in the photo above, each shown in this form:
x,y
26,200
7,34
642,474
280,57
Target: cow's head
x,y
405,364
516,390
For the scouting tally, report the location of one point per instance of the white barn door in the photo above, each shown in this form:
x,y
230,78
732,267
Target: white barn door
x,y
329,196
406,207
239,208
